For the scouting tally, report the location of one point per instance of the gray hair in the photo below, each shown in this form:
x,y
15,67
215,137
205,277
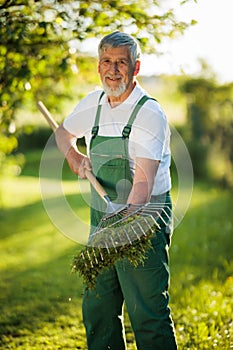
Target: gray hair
x,y
117,39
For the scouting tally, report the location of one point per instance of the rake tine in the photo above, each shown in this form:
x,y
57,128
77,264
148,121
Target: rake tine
x,y
135,232
164,211
143,232
106,246
153,215
83,257
156,221
113,243
126,233
93,251
158,216
167,210
119,237
101,255
88,255
148,224
162,218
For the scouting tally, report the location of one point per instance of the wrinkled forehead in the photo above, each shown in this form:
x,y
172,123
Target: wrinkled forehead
x,y
118,52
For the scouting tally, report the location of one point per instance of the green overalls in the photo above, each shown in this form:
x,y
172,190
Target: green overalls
x,y
145,288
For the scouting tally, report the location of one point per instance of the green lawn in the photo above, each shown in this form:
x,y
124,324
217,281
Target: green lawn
x,y
40,299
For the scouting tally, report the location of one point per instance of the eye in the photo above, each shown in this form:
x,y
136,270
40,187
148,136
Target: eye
x,y
105,62
124,62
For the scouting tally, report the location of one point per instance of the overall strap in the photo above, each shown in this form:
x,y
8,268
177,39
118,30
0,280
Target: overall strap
x,y
127,129
95,128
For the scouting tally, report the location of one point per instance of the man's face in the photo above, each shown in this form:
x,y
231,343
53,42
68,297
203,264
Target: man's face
x,y
116,70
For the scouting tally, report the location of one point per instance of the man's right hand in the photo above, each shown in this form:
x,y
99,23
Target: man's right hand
x,y
78,163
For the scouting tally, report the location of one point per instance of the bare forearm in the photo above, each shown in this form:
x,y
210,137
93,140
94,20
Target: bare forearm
x,y
66,143
143,182
140,193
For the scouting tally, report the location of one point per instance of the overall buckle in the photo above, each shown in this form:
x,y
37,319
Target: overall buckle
x,y
126,131
94,131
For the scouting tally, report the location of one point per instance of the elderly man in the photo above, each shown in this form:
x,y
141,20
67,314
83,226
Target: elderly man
x,y
128,151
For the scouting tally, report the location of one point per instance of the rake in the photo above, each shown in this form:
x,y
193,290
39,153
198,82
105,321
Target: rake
x,y
125,231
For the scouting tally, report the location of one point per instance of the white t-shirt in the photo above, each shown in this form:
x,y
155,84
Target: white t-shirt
x,y
149,137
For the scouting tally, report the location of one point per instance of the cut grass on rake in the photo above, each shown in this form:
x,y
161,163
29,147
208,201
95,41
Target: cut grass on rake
x,y
126,234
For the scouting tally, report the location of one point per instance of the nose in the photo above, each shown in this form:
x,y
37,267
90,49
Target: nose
x,y
114,67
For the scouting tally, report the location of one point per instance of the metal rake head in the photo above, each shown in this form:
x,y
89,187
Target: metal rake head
x,y
126,233
128,224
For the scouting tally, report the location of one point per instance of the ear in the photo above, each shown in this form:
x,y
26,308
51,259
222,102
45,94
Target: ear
x,y
99,67
137,68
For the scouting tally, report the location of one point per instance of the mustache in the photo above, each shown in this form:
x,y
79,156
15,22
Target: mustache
x,y
112,76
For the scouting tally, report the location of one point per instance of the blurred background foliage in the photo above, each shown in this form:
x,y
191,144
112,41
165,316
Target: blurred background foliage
x,y
41,59
209,129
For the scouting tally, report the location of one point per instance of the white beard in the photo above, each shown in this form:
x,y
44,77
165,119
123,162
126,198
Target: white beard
x,y
114,92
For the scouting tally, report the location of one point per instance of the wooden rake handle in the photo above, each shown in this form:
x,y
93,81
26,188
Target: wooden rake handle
x,y
90,176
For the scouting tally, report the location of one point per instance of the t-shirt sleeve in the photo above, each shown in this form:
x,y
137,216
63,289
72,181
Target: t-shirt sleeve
x,y
80,121
151,135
